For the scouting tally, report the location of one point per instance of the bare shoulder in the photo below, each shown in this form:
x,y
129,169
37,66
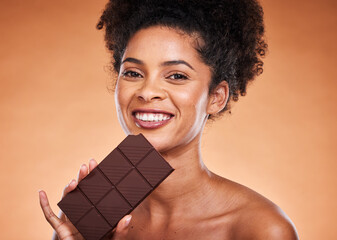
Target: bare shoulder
x,y
266,221
256,217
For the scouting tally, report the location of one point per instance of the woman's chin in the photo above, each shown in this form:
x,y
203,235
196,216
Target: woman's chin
x,y
159,142
161,139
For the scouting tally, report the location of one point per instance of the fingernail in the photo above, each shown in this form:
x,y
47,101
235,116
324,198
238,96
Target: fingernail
x,y
127,221
41,193
79,171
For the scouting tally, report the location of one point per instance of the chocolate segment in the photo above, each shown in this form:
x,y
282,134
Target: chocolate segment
x,y
76,204
134,187
95,186
152,169
93,225
116,169
115,187
113,207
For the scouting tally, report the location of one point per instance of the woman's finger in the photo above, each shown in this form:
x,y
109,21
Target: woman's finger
x,y
122,228
92,164
71,186
53,220
82,173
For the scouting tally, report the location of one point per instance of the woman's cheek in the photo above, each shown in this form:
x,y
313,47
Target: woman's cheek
x,y
122,95
192,97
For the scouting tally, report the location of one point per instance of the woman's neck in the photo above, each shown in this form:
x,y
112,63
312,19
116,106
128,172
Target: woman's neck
x,y
187,187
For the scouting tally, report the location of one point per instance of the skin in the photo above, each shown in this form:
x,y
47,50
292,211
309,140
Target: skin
x,y
161,70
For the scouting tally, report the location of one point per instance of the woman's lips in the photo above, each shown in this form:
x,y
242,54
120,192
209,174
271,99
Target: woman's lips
x,y
151,119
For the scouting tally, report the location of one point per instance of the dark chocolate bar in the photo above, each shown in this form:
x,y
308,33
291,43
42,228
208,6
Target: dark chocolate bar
x,y
115,187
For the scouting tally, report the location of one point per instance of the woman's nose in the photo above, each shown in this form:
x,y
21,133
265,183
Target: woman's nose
x,y
150,90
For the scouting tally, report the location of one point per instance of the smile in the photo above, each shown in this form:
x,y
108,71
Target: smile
x,y
151,119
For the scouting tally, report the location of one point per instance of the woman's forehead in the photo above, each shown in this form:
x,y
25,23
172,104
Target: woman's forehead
x,y
162,43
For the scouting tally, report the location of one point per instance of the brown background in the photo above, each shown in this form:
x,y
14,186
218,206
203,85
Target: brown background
x,y
57,113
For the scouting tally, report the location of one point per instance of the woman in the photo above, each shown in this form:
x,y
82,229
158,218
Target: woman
x,y
179,63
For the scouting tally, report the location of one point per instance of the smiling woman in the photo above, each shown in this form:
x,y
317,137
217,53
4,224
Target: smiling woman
x,y
159,64
178,63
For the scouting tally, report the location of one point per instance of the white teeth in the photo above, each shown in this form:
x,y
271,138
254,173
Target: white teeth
x,y
152,117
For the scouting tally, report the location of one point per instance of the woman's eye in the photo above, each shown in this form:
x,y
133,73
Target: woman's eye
x,y
177,76
131,74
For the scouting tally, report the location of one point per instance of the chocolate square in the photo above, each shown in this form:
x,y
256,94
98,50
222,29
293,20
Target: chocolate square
x,y
134,187
113,207
152,169
115,166
75,203
92,225
115,187
95,186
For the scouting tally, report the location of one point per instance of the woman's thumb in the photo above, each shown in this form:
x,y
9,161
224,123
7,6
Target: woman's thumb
x,y
122,228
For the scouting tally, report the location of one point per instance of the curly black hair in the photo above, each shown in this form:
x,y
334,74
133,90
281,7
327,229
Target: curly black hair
x,y
232,32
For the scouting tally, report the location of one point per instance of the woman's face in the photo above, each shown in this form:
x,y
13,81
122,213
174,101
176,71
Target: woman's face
x,y
162,88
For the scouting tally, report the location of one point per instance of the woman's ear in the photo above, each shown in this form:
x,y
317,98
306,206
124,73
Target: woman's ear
x,y
218,98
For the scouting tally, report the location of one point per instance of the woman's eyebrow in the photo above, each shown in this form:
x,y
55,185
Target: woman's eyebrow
x,y
176,62
133,60
166,63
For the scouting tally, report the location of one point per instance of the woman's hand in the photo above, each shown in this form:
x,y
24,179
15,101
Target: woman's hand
x,y
64,229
